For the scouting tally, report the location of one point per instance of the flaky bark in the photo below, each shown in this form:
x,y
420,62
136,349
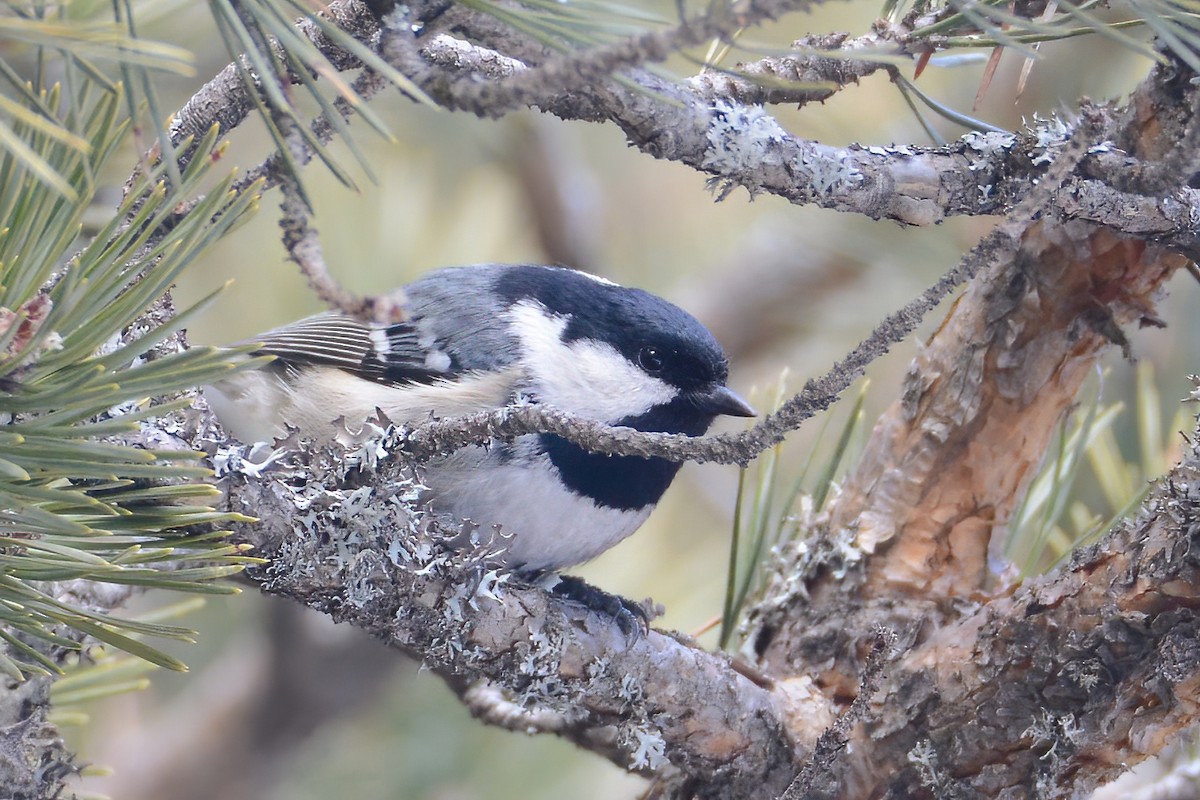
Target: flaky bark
x,y
1059,687
905,546
982,400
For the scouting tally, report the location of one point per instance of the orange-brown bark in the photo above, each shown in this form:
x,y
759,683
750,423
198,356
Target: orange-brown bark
x,y
950,459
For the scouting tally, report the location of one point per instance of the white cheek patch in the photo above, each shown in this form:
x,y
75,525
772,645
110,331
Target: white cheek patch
x,y
588,378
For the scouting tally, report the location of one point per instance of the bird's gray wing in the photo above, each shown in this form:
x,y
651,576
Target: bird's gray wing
x,y
390,354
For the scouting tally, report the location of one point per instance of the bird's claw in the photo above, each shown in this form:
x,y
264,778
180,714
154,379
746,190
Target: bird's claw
x,y
631,617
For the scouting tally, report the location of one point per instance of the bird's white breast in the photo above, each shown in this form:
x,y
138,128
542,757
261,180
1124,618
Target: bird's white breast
x,y
551,527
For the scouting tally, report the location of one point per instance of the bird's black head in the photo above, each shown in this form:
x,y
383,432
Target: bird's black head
x,y
621,356
618,354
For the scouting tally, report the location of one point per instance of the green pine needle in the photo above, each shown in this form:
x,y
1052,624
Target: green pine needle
x,y
81,502
1053,518
761,524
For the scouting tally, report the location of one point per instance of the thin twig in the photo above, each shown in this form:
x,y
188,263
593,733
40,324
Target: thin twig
x,y
579,70
835,738
445,436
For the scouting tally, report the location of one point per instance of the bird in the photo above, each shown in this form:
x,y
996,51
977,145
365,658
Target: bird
x,y
483,337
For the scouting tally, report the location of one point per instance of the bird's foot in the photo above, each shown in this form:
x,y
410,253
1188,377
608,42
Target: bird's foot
x,y
632,618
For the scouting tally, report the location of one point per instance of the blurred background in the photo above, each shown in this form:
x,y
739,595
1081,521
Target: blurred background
x,y
280,703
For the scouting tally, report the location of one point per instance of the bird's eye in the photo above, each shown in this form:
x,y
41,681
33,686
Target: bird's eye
x,y
650,359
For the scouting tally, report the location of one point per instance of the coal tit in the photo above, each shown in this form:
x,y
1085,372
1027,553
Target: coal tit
x,y
482,337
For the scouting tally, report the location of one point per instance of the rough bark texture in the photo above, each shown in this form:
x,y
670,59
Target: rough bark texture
x,y
34,761
1038,692
905,544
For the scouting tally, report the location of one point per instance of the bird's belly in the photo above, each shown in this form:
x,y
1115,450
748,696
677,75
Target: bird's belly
x,y
545,525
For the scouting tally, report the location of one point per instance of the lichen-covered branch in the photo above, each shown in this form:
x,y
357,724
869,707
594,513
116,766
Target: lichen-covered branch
x,y
706,125
810,75
578,70
34,760
739,144
358,552
226,100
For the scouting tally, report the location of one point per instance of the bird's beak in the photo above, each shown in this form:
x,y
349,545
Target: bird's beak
x,y
723,400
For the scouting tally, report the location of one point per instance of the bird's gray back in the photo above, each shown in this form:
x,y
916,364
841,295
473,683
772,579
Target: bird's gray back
x,y
455,310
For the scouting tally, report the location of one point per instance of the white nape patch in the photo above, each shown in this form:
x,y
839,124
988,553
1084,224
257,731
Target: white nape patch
x,y
585,377
596,278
